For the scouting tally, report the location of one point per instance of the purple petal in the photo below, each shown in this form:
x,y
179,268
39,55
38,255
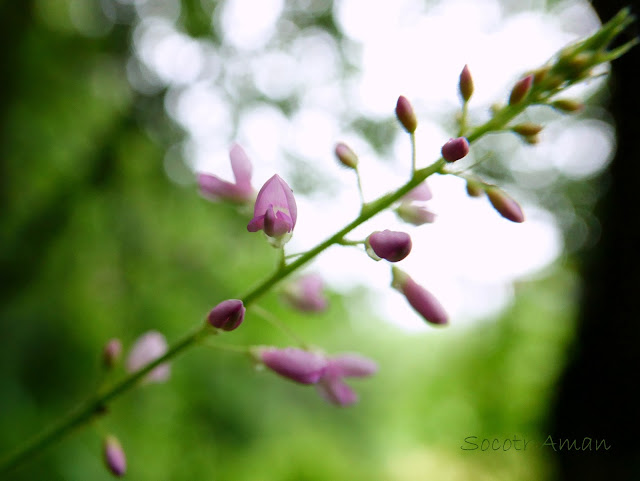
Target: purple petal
x,y
334,390
256,224
422,193
296,364
276,224
242,168
354,365
216,188
275,193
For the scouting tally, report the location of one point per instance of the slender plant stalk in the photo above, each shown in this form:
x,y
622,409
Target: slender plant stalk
x,y
539,94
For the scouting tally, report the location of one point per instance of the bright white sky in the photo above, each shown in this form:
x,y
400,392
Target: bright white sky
x,y
470,256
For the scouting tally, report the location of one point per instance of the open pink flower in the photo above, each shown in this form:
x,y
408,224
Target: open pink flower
x,y
146,349
331,385
275,211
306,294
241,191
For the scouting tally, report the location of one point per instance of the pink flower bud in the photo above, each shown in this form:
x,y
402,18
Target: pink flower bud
x,y
275,210
466,84
455,149
406,115
147,348
420,299
346,156
111,353
227,315
520,90
390,245
306,294
415,214
301,366
114,457
505,205
241,191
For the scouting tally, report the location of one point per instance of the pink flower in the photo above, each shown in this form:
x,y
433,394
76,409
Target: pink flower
x,y
298,365
114,457
390,245
331,385
421,192
455,149
241,191
420,299
275,210
147,348
227,315
306,294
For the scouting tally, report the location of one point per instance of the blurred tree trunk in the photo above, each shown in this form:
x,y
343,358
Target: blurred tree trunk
x,y
596,396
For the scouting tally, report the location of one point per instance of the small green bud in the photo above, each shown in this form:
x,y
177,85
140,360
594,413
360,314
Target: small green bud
x,y
527,129
474,188
567,105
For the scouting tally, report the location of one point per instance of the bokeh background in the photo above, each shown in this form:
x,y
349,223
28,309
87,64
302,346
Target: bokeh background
x,y
109,107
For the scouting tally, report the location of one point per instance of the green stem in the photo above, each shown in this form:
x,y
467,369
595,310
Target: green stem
x,y
413,153
95,406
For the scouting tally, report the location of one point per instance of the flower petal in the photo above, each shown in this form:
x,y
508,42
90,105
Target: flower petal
x,y
242,168
298,365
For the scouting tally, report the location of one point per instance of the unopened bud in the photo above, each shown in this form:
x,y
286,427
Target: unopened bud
x,y
540,74
527,129
466,84
567,105
114,457
346,156
227,315
474,189
415,214
389,245
455,149
111,353
520,90
406,115
505,205
420,299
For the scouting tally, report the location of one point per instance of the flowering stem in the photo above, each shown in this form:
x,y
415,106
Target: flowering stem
x,y
538,94
274,321
95,406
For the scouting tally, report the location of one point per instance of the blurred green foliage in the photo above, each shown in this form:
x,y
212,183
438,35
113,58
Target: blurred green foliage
x,y
98,243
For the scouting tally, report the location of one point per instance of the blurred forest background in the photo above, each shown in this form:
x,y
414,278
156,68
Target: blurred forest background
x,y
97,241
